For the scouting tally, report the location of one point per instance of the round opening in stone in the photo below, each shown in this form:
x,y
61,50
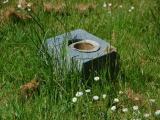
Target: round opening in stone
x,y
85,46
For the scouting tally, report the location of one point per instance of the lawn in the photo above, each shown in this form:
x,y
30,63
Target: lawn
x,y
132,26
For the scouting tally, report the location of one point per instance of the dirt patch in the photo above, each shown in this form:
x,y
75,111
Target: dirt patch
x,y
48,7
11,13
58,8
85,7
23,4
27,90
136,98
84,46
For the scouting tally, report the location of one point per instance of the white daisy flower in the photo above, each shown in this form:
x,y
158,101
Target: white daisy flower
x,y
152,100
96,78
120,6
88,90
29,9
19,6
109,4
95,98
129,10
135,108
29,5
125,110
120,92
78,94
104,96
104,5
116,100
146,115
157,113
74,99
113,108
6,1
132,8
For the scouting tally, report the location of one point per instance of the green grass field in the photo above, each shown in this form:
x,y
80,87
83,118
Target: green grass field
x,y
132,26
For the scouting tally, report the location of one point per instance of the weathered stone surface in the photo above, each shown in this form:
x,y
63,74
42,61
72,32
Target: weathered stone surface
x,y
84,51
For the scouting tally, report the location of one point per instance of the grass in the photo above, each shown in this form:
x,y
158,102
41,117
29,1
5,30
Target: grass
x,y
135,35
